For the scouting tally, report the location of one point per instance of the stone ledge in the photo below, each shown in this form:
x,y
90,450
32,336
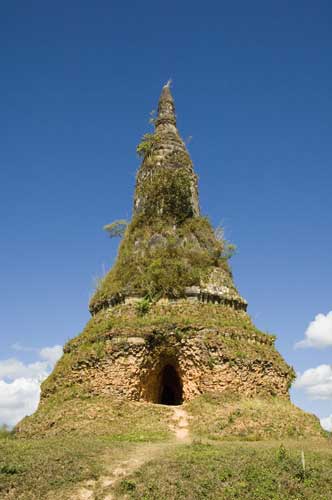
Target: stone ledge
x,y
191,294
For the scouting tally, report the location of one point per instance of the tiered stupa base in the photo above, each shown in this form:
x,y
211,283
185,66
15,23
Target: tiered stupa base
x,y
181,348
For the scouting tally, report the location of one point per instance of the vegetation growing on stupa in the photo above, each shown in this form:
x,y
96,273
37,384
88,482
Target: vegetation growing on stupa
x,y
163,257
167,194
116,228
165,248
145,148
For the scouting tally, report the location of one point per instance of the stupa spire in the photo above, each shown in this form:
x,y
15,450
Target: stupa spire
x,y
165,162
166,108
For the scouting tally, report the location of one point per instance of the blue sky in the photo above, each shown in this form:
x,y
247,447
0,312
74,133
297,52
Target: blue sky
x,y
252,85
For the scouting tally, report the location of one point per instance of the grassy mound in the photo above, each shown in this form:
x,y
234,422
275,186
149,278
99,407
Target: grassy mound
x,y
226,416
212,417
97,416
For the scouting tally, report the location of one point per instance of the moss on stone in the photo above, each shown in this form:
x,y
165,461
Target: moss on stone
x,y
162,258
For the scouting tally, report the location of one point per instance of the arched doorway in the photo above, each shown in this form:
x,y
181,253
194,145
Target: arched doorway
x,y
170,391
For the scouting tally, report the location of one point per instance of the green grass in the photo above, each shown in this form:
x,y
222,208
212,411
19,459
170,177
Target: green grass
x,y
213,417
125,319
35,468
228,417
97,416
66,441
237,470
242,448
31,468
4,432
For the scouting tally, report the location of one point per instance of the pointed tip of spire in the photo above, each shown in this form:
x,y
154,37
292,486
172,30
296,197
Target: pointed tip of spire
x,y
166,109
166,91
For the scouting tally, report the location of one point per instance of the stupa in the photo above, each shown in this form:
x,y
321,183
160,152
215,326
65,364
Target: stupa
x,y
168,327
168,323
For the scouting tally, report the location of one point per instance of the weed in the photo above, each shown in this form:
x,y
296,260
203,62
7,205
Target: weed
x,y
281,453
10,469
116,228
143,306
127,485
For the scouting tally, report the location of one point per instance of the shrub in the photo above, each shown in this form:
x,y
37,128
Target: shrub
x,y
145,147
4,431
143,306
116,228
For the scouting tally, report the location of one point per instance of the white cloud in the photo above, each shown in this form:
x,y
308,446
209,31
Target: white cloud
x,y
316,382
19,347
319,332
51,354
20,383
13,368
17,399
326,423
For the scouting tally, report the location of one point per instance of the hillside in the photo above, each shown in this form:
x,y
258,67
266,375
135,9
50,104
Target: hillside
x,y
213,447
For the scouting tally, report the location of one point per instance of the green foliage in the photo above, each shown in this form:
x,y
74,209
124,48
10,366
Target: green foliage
x,y
4,431
143,306
127,485
166,192
94,434
229,249
93,332
156,338
281,453
165,248
182,317
145,147
10,469
116,228
108,331
161,259
152,119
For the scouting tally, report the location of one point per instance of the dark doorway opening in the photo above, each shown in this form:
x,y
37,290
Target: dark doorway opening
x,y
170,387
